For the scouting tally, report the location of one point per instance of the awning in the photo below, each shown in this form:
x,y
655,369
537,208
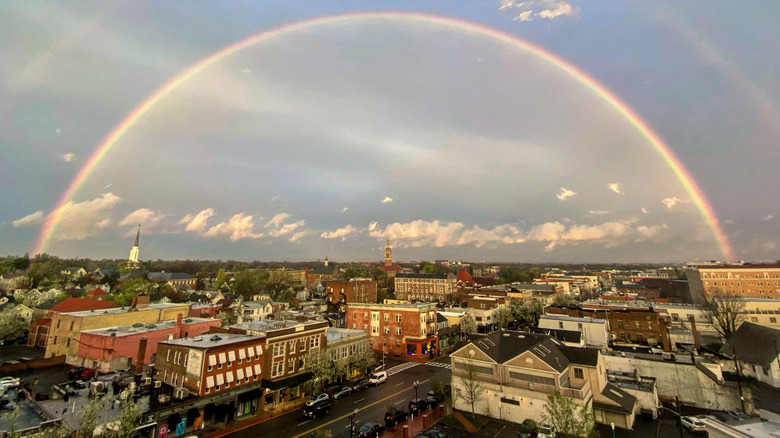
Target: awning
x,y
249,371
288,382
250,351
220,379
229,376
222,358
258,370
240,374
242,354
212,360
209,381
232,356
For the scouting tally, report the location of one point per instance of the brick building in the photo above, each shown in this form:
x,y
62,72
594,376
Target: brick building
x,y
321,273
401,329
627,324
425,287
340,292
748,281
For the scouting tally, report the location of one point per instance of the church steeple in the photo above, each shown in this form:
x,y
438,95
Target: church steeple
x,y
388,254
133,259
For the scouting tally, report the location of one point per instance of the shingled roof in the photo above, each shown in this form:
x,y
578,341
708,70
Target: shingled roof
x,y
505,345
753,343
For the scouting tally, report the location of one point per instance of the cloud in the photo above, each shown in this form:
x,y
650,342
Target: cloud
x,y
240,226
148,218
297,236
616,187
344,209
556,233
340,233
670,203
525,16
58,131
372,225
645,211
769,217
558,9
565,194
277,220
286,229
79,220
649,232
506,234
275,198
104,223
545,9
592,213
69,157
197,223
387,200
768,246
420,233
247,70
31,219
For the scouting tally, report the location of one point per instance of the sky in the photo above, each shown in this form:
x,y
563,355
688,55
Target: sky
x,y
415,121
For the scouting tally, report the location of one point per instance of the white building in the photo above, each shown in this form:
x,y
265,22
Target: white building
x,y
595,332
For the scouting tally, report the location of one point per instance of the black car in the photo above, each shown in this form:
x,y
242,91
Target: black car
x,y
433,433
317,409
391,419
527,429
418,405
360,385
371,430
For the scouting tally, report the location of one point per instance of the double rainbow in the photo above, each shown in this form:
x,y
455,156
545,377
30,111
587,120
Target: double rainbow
x,y
689,184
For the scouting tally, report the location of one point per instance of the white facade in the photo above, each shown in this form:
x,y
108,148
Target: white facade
x,y
595,332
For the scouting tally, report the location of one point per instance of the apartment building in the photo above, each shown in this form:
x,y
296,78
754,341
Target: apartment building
x,y
519,370
749,281
355,290
425,287
595,331
343,345
401,329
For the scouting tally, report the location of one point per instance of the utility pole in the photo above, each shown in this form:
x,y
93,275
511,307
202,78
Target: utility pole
x,y
739,378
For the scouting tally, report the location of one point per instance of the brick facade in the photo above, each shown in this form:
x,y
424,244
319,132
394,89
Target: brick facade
x,y
425,287
403,329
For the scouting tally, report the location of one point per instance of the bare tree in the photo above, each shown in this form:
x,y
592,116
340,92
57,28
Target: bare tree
x,y
725,311
472,386
468,325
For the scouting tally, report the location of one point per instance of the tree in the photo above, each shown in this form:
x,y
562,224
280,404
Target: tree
x,y
89,417
503,317
439,390
125,425
13,422
569,419
221,279
565,300
227,318
428,269
526,312
12,325
364,360
725,311
468,325
323,369
355,271
472,386
247,282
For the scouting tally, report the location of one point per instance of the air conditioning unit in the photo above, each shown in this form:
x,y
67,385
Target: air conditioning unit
x,y
157,383
146,381
163,398
180,393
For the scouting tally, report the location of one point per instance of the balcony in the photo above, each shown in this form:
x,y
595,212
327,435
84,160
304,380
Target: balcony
x,y
581,393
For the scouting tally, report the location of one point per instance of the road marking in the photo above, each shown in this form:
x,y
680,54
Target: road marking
x,y
502,429
351,413
400,401
358,401
301,424
399,384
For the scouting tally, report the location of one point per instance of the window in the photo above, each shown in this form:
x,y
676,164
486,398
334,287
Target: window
x,y
525,377
620,324
387,330
772,319
753,319
560,324
301,363
374,330
67,343
277,369
398,318
636,323
278,349
398,331
303,346
167,356
291,365
649,325
387,317
578,374
354,315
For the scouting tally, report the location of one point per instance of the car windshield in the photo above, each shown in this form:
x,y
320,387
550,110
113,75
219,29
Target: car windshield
x,y
545,429
366,427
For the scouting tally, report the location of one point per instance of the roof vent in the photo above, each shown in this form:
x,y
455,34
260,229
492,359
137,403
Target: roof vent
x,y
215,338
506,335
520,336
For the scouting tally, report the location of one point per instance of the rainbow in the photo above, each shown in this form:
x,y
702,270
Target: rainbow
x,y
689,184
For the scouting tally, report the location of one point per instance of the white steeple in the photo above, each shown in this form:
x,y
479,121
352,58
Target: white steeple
x,y
133,259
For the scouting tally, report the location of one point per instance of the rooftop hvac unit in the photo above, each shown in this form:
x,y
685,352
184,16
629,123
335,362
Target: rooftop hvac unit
x,y
146,381
163,398
180,393
157,383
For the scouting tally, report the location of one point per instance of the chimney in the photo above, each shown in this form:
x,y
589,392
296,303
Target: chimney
x,y
140,302
139,362
178,319
695,332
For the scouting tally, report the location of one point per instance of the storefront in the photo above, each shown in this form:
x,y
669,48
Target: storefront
x,y
279,392
422,348
249,402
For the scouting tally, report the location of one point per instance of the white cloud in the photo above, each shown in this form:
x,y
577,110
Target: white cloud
x,y
277,220
69,157
565,194
592,213
197,223
420,233
645,211
372,225
340,233
506,234
58,131
546,9
240,226
769,217
247,70
104,223
558,9
387,200
524,16
616,187
344,209
148,218
31,219
286,229
79,220
672,202
297,236
649,232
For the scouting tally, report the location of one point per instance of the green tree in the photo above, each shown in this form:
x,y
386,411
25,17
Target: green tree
x,y
12,325
440,390
21,263
221,279
89,417
247,282
503,317
41,271
227,318
569,419
526,312
322,367
355,271
565,300
364,360
428,269
13,423
381,295
472,386
125,426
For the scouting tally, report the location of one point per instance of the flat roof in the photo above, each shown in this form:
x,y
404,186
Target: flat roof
x,y
117,310
264,325
335,333
213,340
572,318
127,330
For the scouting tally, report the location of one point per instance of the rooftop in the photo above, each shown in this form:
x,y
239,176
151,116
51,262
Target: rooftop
x,y
573,319
118,310
265,325
128,330
214,340
335,333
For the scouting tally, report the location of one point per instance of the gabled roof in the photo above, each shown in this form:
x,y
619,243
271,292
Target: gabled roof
x,y
391,268
625,401
98,291
322,270
572,336
80,304
753,343
132,274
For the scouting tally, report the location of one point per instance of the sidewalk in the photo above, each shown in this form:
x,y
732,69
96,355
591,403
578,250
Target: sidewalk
x,y
250,420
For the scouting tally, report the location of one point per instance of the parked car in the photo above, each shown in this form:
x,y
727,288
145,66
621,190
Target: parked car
x,y
391,419
693,424
377,378
343,392
316,398
527,429
371,430
88,373
546,430
417,405
721,416
11,382
360,385
317,409
739,415
433,398
433,433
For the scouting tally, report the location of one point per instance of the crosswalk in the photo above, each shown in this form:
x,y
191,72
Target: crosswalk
x,y
402,367
439,364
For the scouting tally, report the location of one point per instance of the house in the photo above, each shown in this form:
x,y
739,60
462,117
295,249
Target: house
x,y
257,310
321,273
97,294
74,272
517,372
343,347
755,347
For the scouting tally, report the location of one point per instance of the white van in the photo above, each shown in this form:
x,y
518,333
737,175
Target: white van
x,y
377,378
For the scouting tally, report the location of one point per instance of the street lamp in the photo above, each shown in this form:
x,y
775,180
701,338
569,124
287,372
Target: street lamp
x,y
352,426
384,342
613,429
416,401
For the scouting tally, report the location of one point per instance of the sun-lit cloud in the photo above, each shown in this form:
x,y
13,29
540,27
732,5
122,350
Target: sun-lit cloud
x,y
78,219
420,233
148,218
69,157
525,16
649,232
104,223
277,220
768,246
240,226
297,236
387,200
197,223
286,229
545,9
616,187
769,217
372,225
344,209
340,233
672,202
645,211
565,194
592,213
31,219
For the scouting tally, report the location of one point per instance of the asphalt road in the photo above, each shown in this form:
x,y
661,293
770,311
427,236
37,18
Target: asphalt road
x,y
370,404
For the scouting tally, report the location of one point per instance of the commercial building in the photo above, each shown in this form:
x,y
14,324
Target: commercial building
x,y
343,346
340,292
595,331
749,281
425,287
398,329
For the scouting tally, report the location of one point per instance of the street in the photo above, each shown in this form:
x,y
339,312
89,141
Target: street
x,y
370,404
